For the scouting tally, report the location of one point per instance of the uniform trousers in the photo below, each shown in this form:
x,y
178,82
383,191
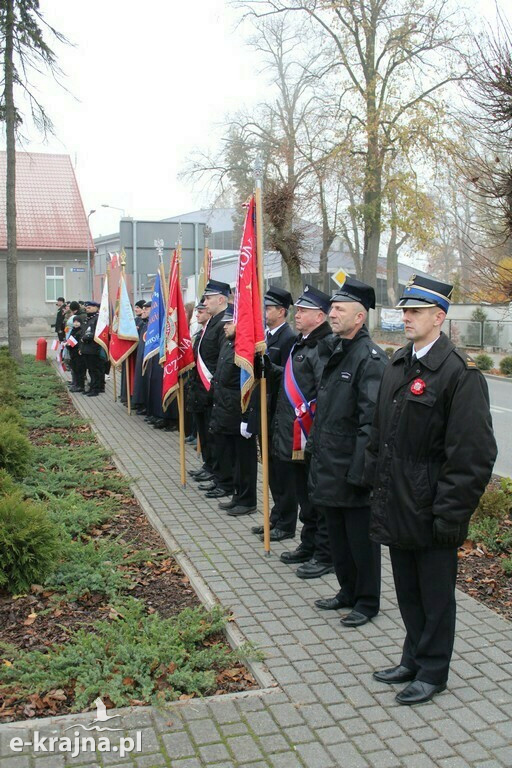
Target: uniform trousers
x,y
425,588
224,450
283,514
246,470
313,537
356,559
78,369
205,438
96,370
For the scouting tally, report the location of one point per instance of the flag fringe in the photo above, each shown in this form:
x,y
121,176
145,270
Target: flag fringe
x,y
148,358
248,386
103,345
117,363
297,455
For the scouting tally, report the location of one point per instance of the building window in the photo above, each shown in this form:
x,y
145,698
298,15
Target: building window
x,y
54,283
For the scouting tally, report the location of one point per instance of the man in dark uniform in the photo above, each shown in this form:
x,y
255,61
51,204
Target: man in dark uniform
x,y
196,394
60,319
344,413
297,394
429,459
92,352
141,380
236,454
215,299
280,339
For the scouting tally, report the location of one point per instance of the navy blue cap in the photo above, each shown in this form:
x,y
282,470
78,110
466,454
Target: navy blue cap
x,y
146,304
215,286
355,290
140,303
425,292
277,297
312,298
229,314
91,304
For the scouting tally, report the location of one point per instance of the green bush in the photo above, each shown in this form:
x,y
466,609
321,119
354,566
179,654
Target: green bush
x,y
15,451
11,415
29,543
496,501
506,365
484,362
485,531
7,484
390,351
506,565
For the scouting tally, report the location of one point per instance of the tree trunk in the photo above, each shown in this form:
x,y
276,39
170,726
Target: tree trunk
x,y
295,278
13,328
392,268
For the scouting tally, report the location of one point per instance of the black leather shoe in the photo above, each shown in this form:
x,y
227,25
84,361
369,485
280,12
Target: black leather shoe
x,y
355,619
313,569
202,477
141,412
331,603
394,675
216,493
258,529
92,394
208,486
240,510
417,692
228,504
298,555
159,424
194,472
277,534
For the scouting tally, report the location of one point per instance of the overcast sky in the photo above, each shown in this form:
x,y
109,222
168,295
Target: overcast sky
x,y
149,81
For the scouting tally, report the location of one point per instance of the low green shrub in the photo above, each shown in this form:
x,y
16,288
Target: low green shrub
x,y
485,531
506,565
94,567
78,515
390,351
484,362
496,501
15,451
506,365
130,658
29,543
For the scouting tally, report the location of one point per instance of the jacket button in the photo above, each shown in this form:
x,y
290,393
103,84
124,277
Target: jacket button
x,y
385,445
394,401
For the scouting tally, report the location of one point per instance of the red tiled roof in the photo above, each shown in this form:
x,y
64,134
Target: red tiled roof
x,y
50,214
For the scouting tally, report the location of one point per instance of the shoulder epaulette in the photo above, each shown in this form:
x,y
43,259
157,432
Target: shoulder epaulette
x,y
467,360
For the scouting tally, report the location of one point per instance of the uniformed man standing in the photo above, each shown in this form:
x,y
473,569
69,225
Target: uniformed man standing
x,y
280,339
429,459
292,425
92,351
344,412
215,300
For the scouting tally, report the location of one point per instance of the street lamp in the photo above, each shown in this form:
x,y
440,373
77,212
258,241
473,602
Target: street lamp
x,y
89,276
104,205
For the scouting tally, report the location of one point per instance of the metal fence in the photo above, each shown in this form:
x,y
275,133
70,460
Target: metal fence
x,y
495,335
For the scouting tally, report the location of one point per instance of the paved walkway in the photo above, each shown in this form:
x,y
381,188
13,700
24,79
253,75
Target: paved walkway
x,y
324,709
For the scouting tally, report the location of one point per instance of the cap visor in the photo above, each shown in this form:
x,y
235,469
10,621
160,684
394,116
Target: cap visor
x,y
413,303
307,304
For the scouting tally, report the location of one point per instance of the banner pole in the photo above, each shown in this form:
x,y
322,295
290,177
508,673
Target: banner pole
x,y
181,398
263,381
114,382
128,395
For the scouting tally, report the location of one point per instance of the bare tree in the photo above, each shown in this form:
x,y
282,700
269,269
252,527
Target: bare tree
x,y
393,57
23,50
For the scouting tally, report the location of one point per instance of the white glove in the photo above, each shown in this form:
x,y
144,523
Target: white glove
x,y
243,430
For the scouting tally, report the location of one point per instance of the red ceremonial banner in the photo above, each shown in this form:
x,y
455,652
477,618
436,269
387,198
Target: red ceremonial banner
x,y
250,334
179,354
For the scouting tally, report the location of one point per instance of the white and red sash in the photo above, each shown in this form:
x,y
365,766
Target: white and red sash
x,y
204,372
304,410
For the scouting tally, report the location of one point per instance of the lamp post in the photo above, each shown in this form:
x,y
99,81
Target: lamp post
x,y
89,276
115,208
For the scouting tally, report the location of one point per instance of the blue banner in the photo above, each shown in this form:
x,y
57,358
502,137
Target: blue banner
x,y
156,318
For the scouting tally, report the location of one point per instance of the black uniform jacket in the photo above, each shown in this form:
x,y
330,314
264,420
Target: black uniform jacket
x,y
87,344
197,396
308,365
344,413
432,446
227,410
279,347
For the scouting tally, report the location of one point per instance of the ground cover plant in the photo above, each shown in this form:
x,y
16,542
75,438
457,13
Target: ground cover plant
x,y
91,602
